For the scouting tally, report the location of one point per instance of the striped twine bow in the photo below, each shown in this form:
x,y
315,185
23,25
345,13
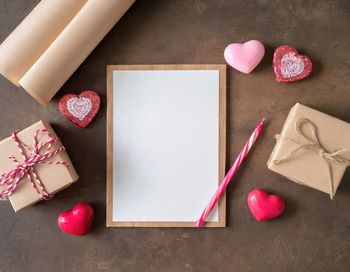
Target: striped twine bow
x,y
12,178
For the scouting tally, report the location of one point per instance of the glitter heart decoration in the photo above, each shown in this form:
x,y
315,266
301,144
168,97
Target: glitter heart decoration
x,y
80,109
289,65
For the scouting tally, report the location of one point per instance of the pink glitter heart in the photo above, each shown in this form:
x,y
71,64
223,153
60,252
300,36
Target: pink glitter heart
x,y
79,107
289,65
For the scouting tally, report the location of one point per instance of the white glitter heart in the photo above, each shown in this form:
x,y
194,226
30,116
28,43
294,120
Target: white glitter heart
x,y
79,107
291,65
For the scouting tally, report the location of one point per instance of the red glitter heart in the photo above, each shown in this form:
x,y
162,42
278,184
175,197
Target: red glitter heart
x,y
289,65
80,109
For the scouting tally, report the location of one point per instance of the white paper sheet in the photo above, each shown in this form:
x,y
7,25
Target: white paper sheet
x,y
165,144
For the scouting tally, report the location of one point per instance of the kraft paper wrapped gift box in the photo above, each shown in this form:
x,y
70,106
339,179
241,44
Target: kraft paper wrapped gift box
x,y
312,149
54,177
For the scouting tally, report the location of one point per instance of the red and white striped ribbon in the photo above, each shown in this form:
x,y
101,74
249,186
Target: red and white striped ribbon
x,y
12,178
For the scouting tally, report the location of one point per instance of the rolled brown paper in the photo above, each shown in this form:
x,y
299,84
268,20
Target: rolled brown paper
x,y
34,35
43,76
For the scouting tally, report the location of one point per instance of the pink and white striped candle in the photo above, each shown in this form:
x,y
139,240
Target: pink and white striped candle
x,y
230,174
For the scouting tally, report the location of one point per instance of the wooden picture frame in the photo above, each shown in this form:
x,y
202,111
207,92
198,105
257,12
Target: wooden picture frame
x,y
222,143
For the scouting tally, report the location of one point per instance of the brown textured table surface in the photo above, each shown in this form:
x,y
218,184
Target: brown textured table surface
x,y
313,234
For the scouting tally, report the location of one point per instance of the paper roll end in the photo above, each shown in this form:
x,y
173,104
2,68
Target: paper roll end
x,y
30,90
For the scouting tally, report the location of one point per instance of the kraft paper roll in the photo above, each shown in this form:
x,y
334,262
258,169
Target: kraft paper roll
x,y
34,35
53,40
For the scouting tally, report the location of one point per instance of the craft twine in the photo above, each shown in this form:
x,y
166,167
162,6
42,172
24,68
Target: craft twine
x,y
13,177
315,145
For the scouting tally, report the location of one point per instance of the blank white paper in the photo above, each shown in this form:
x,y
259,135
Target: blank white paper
x,y
165,144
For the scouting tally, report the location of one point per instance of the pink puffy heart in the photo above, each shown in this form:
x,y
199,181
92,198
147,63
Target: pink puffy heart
x,y
78,220
265,206
244,57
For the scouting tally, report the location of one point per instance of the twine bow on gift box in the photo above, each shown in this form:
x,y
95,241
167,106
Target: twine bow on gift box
x,y
12,178
315,145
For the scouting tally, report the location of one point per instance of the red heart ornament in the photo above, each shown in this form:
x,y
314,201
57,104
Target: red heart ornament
x,y
264,206
78,220
80,109
289,65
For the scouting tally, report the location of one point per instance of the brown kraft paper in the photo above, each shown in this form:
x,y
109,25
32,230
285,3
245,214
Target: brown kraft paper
x,y
53,40
298,157
54,177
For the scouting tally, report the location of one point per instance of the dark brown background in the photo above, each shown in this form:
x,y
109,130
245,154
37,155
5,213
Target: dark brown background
x,y
313,234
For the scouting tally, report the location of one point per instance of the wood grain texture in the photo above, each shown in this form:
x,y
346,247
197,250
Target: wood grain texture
x,y
222,142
